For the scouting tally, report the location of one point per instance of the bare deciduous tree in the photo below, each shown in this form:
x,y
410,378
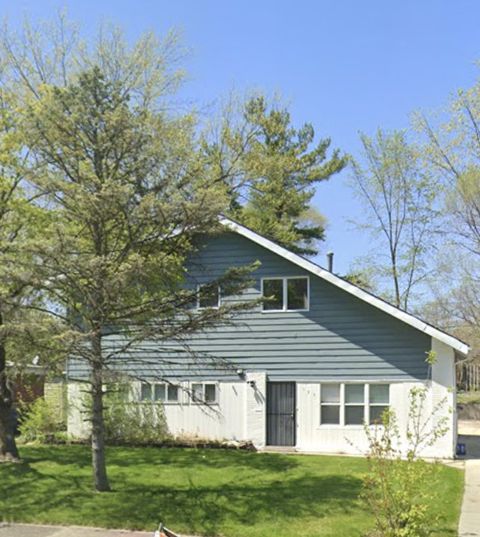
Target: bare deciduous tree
x,y
452,152
399,200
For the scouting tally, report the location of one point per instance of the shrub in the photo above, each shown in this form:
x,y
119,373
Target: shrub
x,y
133,423
40,422
400,487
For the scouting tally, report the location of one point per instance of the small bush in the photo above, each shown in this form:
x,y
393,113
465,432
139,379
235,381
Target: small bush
x,y
132,423
400,487
40,422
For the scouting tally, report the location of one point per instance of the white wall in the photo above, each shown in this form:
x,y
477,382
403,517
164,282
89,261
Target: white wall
x,y
225,420
311,436
350,439
256,408
444,389
77,422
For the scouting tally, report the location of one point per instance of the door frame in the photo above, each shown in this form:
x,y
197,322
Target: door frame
x,y
294,412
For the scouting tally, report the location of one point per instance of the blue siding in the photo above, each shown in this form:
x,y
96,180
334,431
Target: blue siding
x,y
340,337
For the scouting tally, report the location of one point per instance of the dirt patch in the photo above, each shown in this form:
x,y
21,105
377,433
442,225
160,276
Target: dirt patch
x,y
469,411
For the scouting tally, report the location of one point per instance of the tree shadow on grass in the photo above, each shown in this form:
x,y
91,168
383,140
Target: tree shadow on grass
x,y
197,509
79,456
187,457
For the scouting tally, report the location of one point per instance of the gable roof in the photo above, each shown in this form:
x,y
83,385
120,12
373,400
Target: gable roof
x,y
371,299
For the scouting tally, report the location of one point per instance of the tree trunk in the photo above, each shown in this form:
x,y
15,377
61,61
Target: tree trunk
x,y
98,428
8,446
396,283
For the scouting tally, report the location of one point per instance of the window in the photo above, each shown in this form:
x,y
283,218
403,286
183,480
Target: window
x,y
285,294
146,392
297,294
204,393
353,404
330,404
166,393
379,400
208,296
159,392
273,289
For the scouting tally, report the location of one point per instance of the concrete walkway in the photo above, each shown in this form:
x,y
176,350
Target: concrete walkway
x,y
470,517
35,530
469,526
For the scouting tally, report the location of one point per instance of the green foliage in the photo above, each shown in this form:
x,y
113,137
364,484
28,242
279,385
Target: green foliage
x,y
465,398
127,194
131,422
277,170
41,422
431,358
400,488
360,278
19,224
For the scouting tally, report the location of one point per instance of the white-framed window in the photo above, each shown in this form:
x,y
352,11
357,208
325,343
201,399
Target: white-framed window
x,y
204,392
208,296
159,392
289,293
353,404
330,404
378,402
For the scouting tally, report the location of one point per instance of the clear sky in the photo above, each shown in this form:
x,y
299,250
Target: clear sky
x,y
344,65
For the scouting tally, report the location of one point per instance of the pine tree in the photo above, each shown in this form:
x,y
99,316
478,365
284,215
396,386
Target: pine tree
x,y
282,170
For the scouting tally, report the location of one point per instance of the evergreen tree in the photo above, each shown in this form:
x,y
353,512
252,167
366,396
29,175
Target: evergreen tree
x,y
282,169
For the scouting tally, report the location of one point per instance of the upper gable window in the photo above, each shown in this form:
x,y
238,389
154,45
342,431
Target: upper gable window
x,y
286,294
208,296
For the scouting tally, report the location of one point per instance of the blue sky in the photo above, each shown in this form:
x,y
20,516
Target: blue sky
x,y
345,66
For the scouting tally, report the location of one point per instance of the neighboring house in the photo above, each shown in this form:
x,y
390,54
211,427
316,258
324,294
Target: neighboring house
x,y
304,371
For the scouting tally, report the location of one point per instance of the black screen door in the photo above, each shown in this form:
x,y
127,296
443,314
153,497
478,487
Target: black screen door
x,y
281,413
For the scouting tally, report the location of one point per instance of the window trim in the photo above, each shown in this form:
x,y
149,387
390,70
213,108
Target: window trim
x,y
219,301
152,395
285,292
204,383
343,404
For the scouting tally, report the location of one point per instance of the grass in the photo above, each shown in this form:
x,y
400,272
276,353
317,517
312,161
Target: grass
x,y
204,492
468,397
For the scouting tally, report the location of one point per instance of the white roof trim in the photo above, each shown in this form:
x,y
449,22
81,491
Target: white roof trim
x,y
407,318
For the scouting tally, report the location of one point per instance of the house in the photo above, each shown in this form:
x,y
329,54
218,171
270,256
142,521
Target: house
x,y
305,370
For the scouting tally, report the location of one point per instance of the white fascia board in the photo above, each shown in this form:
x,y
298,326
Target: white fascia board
x,y
407,318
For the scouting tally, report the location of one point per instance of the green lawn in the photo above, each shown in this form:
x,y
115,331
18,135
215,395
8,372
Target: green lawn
x,y
204,492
